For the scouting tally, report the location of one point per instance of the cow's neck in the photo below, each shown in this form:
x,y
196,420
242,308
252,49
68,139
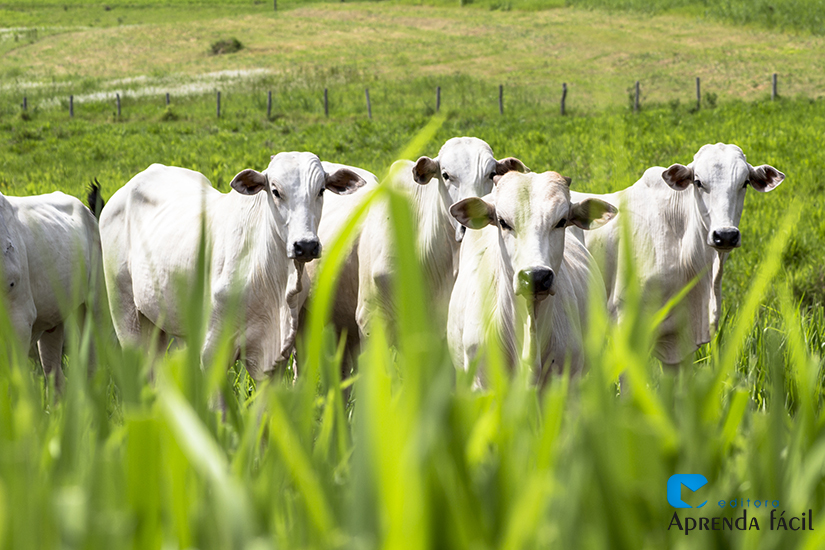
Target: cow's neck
x,y
269,276
435,238
252,218
696,258
508,307
688,224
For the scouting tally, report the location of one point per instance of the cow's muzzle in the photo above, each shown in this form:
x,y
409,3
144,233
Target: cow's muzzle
x,y
536,282
304,250
725,238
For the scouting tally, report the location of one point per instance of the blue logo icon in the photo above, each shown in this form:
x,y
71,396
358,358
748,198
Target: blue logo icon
x,y
674,488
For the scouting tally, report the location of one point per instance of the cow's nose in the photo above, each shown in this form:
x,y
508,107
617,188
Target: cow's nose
x,y
536,281
306,249
727,237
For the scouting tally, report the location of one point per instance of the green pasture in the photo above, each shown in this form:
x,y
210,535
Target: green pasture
x,y
599,54
406,454
45,151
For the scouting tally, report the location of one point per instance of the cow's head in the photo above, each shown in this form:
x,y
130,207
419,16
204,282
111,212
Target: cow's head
x,y
295,183
531,212
465,167
720,175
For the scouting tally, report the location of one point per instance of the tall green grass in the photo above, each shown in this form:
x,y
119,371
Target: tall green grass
x,y
417,458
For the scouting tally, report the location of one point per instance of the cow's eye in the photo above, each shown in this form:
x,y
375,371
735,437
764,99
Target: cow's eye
x,y
321,192
491,175
276,193
698,184
504,225
445,176
562,223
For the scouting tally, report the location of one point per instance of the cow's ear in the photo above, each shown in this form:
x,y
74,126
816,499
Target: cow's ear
x,y
344,182
474,213
591,213
678,176
567,180
425,169
510,164
765,178
249,182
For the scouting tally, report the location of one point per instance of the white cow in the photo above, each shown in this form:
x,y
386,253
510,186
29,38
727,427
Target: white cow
x,y
51,265
258,237
684,221
519,259
464,167
338,210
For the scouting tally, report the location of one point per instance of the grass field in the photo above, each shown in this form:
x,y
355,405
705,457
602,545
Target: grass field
x,y
598,54
416,458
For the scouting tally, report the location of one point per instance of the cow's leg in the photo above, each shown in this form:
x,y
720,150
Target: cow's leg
x,y
125,315
375,300
211,343
154,340
50,347
363,313
22,315
82,315
715,308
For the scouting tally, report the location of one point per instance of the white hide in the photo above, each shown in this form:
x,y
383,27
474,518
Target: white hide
x,y
151,231
520,229
465,167
338,210
684,221
51,265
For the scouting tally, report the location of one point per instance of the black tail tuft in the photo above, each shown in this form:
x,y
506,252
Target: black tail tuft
x,y
94,200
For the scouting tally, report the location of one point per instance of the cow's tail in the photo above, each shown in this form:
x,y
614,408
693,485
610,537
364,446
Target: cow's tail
x,y
93,198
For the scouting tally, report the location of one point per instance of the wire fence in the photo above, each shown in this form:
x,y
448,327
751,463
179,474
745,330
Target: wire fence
x,y
636,99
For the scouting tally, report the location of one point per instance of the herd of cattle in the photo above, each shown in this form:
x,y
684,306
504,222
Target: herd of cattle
x,y
507,253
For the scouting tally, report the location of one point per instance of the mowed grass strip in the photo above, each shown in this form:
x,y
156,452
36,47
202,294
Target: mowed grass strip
x,y
598,54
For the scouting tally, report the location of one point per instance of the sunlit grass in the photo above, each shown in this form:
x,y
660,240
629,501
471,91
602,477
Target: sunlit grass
x,y
416,459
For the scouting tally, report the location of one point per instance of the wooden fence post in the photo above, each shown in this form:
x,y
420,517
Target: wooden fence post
x,y
437,98
698,95
773,88
218,96
275,5
501,99
71,106
636,99
167,99
269,104
369,105
117,98
326,103
25,104
563,96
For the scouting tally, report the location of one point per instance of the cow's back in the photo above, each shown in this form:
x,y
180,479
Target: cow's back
x,y
63,253
644,208
150,230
